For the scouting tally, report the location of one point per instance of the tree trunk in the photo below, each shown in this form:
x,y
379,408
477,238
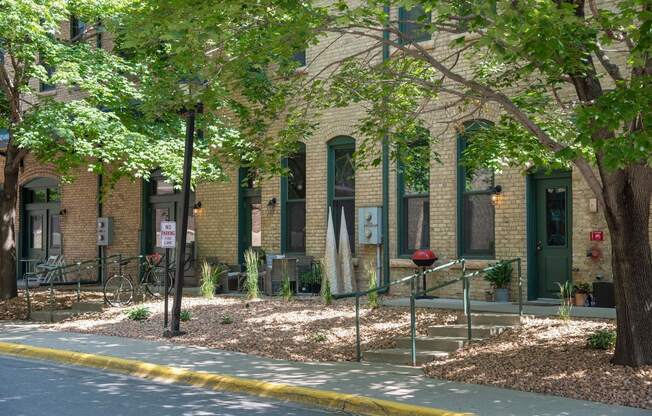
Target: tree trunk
x,y
8,198
627,210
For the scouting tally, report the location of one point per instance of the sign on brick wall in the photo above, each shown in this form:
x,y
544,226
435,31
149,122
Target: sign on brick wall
x,y
168,234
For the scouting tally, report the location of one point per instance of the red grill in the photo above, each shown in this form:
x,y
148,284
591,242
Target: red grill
x,y
424,258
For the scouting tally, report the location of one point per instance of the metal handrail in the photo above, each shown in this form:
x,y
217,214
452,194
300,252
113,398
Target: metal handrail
x,y
358,294
466,285
63,269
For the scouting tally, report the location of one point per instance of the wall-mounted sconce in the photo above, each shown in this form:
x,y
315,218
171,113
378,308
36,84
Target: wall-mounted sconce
x,y
197,209
271,204
63,212
496,192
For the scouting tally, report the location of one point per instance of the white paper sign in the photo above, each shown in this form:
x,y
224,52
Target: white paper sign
x,y
168,234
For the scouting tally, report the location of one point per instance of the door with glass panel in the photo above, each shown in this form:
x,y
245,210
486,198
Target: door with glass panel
x,y
165,204
553,234
36,234
41,234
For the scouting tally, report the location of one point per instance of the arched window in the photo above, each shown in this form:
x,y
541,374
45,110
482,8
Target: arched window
x,y
475,219
341,184
293,203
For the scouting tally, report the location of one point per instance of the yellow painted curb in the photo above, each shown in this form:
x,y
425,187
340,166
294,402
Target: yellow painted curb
x,y
326,399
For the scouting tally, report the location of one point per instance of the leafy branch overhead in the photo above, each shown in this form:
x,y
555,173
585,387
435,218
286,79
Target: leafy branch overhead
x,y
126,116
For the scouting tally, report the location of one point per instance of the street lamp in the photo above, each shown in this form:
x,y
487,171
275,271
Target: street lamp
x,y
190,114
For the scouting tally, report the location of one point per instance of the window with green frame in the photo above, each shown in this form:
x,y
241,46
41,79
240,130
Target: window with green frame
x,y
44,86
411,24
476,213
413,201
77,29
300,57
341,184
293,203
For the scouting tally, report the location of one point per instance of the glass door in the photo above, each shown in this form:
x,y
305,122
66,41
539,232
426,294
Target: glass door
x,y
162,211
36,234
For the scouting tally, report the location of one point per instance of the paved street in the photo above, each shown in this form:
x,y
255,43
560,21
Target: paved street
x,y
37,388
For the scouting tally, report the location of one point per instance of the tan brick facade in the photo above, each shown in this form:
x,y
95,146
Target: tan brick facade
x,y
217,221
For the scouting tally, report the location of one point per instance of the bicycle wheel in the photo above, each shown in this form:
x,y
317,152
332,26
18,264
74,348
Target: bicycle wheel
x,y
153,282
118,290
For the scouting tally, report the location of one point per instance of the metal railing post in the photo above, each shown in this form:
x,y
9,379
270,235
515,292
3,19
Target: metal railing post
x,y
413,329
51,299
520,287
467,300
358,355
27,299
78,282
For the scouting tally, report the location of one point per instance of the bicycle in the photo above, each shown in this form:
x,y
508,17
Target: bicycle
x,y
119,289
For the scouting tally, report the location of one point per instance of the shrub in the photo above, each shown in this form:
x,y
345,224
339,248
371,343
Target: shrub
x,y
319,337
251,283
185,316
208,283
602,339
326,294
566,296
373,284
138,313
500,275
286,289
226,320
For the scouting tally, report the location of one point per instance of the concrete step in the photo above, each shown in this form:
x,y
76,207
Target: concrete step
x,y
491,319
401,356
459,330
87,306
56,316
439,343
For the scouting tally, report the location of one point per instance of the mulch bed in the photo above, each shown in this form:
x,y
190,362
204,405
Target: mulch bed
x,y
300,330
549,356
16,308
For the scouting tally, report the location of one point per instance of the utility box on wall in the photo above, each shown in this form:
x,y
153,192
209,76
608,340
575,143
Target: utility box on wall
x,y
104,231
369,225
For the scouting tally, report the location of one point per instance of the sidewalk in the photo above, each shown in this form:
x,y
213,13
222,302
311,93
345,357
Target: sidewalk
x,y
402,384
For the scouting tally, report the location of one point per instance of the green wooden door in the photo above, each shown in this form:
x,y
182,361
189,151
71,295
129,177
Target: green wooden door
x,y
553,234
250,223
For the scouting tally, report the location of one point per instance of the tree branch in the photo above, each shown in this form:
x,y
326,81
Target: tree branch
x,y
419,52
612,69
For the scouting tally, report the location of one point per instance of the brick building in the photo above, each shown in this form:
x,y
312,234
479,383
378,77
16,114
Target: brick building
x,y
544,220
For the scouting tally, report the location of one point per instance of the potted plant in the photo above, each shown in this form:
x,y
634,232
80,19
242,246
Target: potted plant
x,y
310,282
499,276
581,292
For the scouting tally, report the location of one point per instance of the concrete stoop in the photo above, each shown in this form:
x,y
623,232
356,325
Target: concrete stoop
x,y
62,314
444,339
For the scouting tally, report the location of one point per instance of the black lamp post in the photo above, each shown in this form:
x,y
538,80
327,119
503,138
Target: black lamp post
x,y
185,211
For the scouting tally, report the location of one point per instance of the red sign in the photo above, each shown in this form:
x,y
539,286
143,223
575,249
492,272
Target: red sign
x,y
597,236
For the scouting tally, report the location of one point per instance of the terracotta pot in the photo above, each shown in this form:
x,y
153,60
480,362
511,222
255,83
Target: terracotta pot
x,y
580,299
